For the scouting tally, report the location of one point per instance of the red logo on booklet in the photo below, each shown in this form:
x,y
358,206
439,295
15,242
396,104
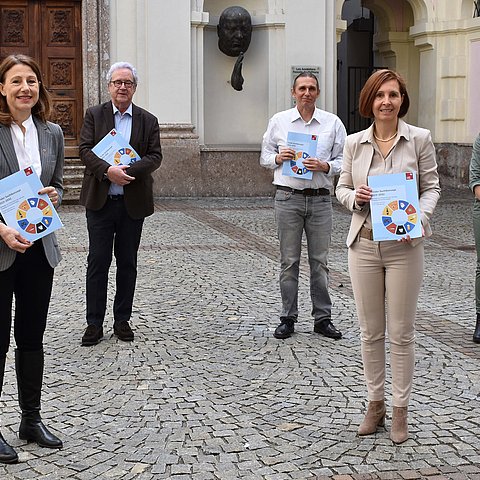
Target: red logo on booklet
x,y
314,137
28,171
409,176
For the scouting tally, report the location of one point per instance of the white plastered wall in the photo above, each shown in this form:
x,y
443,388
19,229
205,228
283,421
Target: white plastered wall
x,y
155,37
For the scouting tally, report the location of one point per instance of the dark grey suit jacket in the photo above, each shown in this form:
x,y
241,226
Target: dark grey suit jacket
x,y
145,139
50,142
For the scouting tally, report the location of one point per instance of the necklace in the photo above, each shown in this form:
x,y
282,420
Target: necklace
x,y
387,139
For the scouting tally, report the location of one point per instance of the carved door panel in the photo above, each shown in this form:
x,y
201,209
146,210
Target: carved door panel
x,y
17,32
50,31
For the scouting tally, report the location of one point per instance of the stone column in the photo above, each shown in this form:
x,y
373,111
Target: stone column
x,y
96,50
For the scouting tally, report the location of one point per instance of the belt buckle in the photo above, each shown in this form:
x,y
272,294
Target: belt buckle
x,y
308,192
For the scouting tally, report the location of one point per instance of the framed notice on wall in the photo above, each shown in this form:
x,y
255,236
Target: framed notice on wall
x,y
298,69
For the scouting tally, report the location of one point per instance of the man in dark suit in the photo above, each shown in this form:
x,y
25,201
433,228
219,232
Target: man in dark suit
x,y
117,199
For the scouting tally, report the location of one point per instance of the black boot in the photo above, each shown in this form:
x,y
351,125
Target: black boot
x,y
7,453
29,367
476,334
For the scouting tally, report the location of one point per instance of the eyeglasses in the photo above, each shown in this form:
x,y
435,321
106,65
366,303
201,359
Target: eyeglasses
x,y
119,83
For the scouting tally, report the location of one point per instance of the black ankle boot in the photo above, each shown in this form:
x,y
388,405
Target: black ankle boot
x,y
476,334
7,453
29,367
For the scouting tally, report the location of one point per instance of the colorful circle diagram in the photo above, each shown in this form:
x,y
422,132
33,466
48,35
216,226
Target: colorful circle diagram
x,y
299,169
124,156
399,217
34,215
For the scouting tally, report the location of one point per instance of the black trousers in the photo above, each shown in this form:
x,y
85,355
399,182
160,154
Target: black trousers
x,y
110,228
30,279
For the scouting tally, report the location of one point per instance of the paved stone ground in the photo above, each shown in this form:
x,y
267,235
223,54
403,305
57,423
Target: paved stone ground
x,y
205,391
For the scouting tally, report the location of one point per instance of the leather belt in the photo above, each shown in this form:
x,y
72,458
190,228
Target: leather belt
x,y
115,197
366,233
307,192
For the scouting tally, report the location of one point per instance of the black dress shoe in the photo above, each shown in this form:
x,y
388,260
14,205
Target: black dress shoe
x,y
123,331
7,453
327,329
476,334
285,329
92,335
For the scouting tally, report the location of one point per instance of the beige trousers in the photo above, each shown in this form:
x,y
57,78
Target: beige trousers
x,y
386,280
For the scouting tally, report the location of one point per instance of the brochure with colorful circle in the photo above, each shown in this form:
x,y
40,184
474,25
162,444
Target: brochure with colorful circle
x,y
114,149
394,207
23,209
305,145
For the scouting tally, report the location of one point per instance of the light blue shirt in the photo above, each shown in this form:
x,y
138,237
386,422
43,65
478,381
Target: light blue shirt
x,y
123,125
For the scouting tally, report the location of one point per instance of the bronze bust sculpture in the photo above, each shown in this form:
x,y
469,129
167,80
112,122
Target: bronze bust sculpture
x,y
234,34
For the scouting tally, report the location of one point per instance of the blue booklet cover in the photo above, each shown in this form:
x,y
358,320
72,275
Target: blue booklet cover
x,y
114,149
394,206
23,209
305,145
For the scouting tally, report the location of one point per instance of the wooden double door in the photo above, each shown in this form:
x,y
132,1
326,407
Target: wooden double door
x,y
50,32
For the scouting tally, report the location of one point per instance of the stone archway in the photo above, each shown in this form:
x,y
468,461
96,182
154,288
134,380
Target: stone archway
x,y
392,45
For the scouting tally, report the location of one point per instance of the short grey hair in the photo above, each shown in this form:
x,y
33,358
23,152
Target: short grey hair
x,y
118,66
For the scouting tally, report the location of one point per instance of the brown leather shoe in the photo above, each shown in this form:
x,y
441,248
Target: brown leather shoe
x,y
399,430
375,417
123,331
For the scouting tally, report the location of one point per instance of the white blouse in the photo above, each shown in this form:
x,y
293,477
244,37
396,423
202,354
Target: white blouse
x,y
26,145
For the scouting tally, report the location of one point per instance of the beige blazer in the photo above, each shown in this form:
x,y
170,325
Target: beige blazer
x,y
414,152
50,143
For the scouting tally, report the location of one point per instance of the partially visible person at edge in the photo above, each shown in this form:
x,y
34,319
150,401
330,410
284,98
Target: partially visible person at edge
x,y
117,200
386,276
27,139
304,205
475,186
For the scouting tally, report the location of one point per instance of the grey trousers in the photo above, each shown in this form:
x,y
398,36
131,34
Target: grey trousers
x,y
296,214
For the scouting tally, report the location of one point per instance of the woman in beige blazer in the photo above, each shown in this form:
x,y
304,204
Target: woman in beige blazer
x,y
386,276
26,268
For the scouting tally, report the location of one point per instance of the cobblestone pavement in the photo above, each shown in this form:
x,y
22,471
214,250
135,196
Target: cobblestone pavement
x,y
205,391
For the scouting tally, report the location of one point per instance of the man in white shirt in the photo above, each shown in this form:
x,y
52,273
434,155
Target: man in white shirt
x,y
304,205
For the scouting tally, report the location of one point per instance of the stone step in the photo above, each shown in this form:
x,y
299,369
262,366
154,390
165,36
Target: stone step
x,y
72,176
73,171
71,194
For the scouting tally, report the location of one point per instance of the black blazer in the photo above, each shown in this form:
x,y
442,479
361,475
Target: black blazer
x,y
145,139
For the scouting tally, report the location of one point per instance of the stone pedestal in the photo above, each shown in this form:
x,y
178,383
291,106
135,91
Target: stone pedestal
x,y
234,171
180,172
189,170
453,163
